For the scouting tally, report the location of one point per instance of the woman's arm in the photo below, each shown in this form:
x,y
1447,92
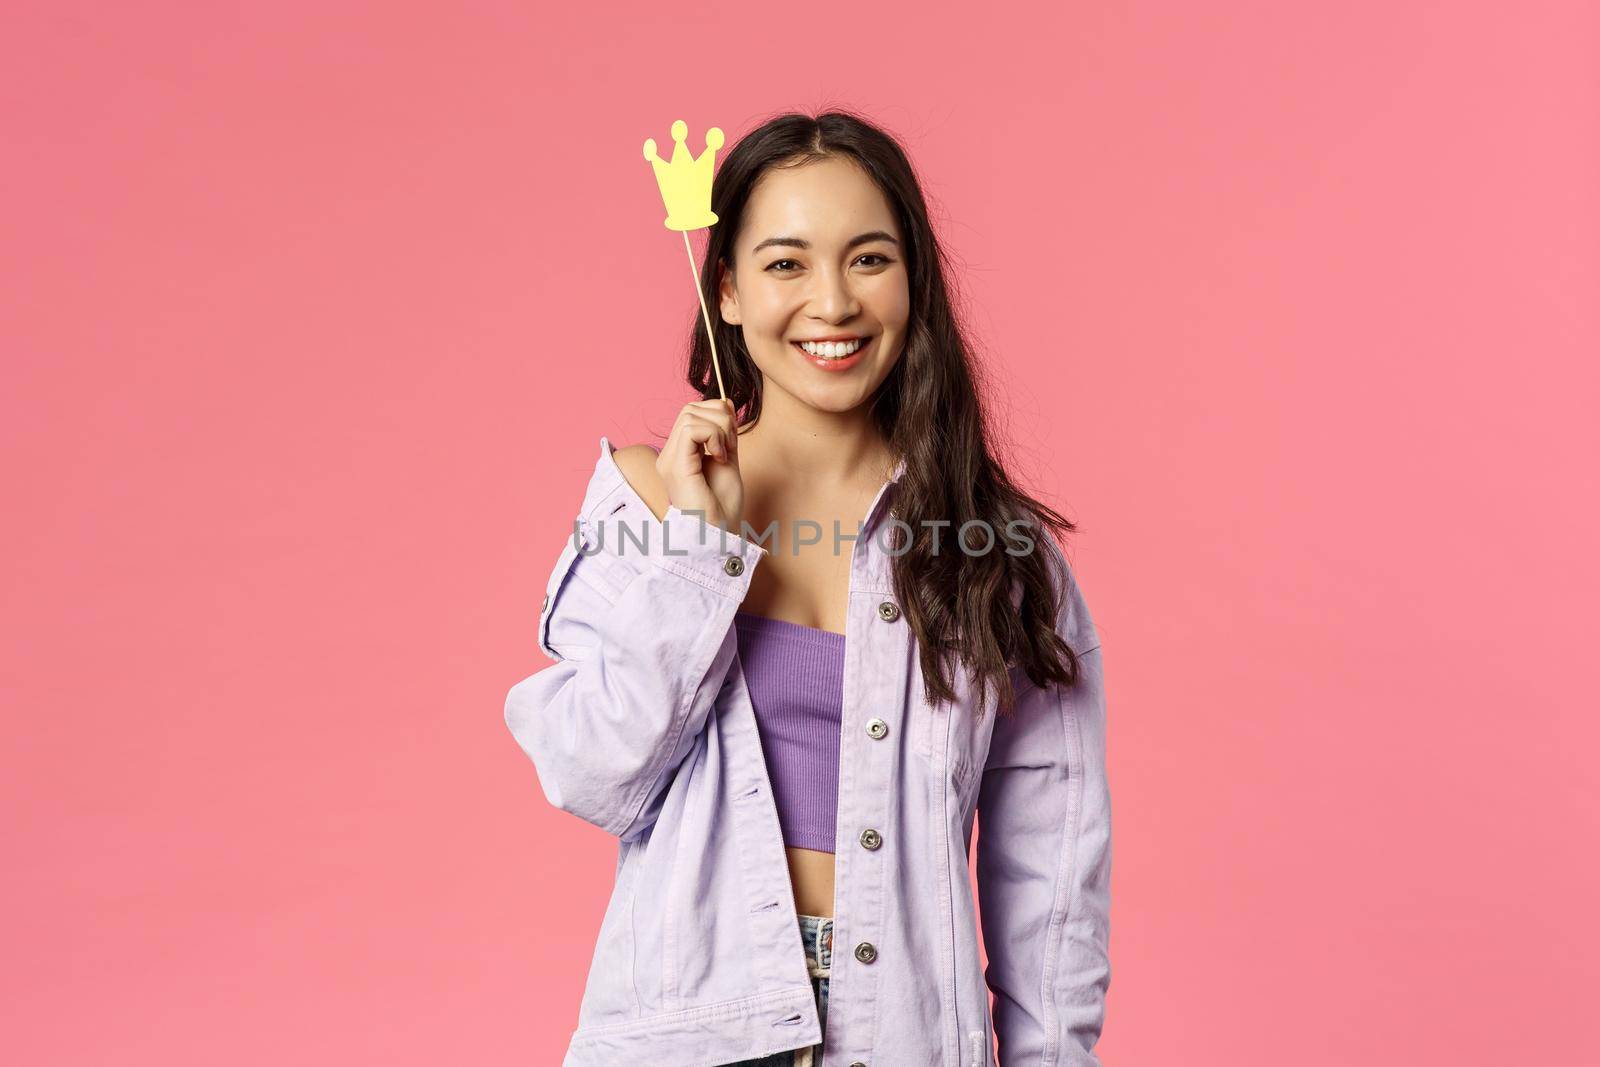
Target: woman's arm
x,y
639,637
1044,859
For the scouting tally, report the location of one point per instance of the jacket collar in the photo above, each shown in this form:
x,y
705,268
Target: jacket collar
x,y
885,494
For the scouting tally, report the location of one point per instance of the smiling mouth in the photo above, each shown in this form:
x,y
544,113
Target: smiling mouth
x,y
832,351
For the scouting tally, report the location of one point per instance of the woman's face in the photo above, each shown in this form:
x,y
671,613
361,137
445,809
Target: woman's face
x,y
818,259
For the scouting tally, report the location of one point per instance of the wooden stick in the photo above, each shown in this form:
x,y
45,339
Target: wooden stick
x,y
706,315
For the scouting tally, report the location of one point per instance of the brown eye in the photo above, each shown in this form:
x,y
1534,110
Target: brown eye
x,y
875,255
779,264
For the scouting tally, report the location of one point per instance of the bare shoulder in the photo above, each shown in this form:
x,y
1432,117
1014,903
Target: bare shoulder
x,y
638,465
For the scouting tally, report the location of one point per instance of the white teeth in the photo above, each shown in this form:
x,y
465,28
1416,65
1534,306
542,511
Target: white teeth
x,y
832,349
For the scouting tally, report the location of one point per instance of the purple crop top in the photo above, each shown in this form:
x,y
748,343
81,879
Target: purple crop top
x,y
795,675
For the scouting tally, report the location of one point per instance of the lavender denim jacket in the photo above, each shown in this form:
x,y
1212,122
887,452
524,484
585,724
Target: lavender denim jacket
x,y
643,726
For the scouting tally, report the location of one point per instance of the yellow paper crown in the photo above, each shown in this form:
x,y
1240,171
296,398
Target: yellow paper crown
x,y
686,182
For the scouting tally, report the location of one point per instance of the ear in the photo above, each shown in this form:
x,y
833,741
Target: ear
x,y
727,295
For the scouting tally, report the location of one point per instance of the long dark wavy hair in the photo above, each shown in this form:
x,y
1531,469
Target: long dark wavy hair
x,y
960,605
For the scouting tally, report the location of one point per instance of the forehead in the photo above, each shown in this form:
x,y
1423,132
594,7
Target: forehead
x,y
825,202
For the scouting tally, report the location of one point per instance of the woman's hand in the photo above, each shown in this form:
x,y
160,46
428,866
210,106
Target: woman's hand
x,y
699,464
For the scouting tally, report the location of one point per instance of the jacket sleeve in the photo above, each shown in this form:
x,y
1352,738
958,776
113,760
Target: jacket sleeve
x,y
1044,859
641,638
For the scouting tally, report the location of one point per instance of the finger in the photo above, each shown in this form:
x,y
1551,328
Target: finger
x,y
718,411
719,405
705,433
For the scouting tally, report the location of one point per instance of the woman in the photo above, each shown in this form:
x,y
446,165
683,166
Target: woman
x,y
787,687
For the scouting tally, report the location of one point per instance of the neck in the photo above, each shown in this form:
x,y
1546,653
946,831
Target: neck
x,y
816,446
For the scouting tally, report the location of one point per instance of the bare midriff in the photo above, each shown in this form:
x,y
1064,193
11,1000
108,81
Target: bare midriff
x,y
811,874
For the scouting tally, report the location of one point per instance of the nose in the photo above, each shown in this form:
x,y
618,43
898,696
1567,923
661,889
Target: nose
x,y
831,297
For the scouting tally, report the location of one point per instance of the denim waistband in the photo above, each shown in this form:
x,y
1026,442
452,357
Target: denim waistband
x,y
816,934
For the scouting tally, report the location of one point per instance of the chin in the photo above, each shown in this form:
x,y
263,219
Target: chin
x,y
834,401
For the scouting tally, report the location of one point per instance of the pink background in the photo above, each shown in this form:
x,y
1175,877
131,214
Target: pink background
x,y
313,314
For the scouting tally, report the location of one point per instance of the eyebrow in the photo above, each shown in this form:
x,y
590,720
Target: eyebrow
x,y
858,239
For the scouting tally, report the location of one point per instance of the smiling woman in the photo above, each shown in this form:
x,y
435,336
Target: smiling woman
x,y
792,735
824,279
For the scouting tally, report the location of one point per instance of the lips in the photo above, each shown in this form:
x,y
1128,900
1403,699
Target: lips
x,y
835,365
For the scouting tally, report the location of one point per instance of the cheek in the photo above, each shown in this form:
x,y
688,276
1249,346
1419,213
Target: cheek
x,y
768,308
889,300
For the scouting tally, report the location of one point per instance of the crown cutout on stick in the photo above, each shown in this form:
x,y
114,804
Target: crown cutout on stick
x,y
686,181
685,185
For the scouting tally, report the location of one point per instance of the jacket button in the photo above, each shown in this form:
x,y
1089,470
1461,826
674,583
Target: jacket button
x,y
876,728
888,612
871,839
733,565
865,952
